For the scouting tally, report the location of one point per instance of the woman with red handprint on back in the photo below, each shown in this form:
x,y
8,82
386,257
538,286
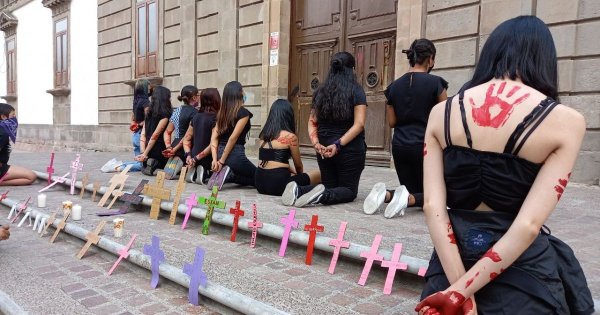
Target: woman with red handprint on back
x,y
499,155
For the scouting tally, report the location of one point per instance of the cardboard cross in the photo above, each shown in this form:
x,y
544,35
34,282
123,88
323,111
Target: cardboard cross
x,y
211,204
393,265
190,202
61,180
156,257
84,183
20,210
371,256
422,271
76,166
61,225
338,243
237,213
50,168
289,223
197,276
95,188
178,191
254,225
312,229
118,180
158,194
3,196
92,238
116,195
49,222
123,254
130,199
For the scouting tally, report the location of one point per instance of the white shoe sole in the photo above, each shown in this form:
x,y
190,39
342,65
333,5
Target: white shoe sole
x,y
288,198
375,199
398,203
310,196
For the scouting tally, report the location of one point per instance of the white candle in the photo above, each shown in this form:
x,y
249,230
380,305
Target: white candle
x,y
41,200
76,213
118,224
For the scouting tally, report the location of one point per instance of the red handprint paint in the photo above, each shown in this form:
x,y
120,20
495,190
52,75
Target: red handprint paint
x,y
560,188
495,110
470,281
289,140
491,254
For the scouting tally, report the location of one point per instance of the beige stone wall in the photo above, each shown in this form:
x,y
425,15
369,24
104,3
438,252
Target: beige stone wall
x,y
459,29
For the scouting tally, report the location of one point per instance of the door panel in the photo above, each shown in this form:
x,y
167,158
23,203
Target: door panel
x,y
373,15
317,19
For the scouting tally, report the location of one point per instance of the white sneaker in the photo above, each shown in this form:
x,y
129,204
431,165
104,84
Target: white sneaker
x,y
110,166
375,199
398,203
288,198
311,198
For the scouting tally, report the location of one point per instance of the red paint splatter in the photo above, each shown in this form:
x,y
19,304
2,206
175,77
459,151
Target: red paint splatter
x,y
470,281
452,238
467,306
493,275
483,116
560,188
425,149
491,254
289,140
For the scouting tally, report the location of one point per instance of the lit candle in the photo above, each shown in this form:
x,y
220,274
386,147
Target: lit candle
x,y
76,213
41,200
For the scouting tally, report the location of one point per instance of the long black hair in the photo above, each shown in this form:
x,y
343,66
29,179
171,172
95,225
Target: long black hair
x,y
210,100
187,93
233,98
6,109
160,102
523,48
281,117
420,50
333,100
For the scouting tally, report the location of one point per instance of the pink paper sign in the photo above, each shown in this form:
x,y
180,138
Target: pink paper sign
x,y
50,168
371,256
76,166
338,243
254,225
393,265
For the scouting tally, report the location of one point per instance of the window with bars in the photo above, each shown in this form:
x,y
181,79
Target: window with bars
x,y
61,56
11,67
146,38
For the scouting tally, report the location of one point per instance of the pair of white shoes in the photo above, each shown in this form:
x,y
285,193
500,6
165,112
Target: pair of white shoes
x,y
111,166
376,198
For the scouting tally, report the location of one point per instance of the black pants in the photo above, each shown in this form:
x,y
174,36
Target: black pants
x,y
408,161
273,181
243,170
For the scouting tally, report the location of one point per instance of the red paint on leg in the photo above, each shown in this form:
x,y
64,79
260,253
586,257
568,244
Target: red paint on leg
x,y
470,281
491,254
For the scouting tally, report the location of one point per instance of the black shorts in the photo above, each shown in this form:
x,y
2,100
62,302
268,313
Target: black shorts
x,y
4,169
273,181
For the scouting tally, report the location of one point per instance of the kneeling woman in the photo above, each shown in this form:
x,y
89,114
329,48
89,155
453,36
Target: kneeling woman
x,y
279,143
151,142
11,175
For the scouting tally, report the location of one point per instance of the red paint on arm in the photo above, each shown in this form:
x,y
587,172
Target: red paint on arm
x,y
451,236
154,137
560,188
425,149
491,254
493,275
470,281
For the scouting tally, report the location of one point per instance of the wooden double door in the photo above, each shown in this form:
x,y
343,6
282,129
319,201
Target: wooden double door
x,y
365,28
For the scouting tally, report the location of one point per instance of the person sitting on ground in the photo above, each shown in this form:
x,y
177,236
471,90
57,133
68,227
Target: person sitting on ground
x,y
278,143
4,232
151,143
410,99
11,175
196,142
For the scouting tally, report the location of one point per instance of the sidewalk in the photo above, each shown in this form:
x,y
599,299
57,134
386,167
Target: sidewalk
x,y
286,283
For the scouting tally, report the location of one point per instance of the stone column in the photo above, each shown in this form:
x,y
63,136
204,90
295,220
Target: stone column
x,y
227,45
188,42
410,27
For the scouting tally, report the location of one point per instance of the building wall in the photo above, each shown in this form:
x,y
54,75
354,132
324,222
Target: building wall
x,y
2,65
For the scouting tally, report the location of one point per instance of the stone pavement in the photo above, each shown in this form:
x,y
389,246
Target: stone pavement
x,y
286,283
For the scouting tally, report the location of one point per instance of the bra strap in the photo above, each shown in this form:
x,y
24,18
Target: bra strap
x,y
545,113
447,113
464,118
522,126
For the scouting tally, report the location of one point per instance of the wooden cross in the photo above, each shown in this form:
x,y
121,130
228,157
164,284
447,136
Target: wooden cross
x,y
289,223
118,180
84,183
158,194
393,265
211,203
95,188
254,225
92,238
190,202
49,222
22,208
312,229
3,196
197,276
237,213
60,225
178,191
338,243
76,166
50,168
123,254
61,180
371,256
116,195
129,199
156,257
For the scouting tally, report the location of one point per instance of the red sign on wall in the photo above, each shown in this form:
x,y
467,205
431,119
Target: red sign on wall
x,y
274,40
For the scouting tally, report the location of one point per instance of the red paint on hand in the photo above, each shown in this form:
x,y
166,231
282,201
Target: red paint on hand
x,y
491,254
495,109
470,281
447,303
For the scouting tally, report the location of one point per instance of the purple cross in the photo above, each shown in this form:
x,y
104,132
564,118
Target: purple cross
x,y
393,265
156,257
338,243
254,225
129,199
289,223
124,253
190,202
75,167
50,168
197,276
371,256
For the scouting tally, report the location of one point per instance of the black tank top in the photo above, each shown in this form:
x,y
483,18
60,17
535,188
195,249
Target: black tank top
x,y
500,180
275,155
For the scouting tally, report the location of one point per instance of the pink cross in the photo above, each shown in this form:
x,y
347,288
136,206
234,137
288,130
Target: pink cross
x,y
422,271
3,196
61,180
237,212
289,223
190,202
371,256
338,243
50,168
22,208
254,225
312,229
75,167
124,253
393,265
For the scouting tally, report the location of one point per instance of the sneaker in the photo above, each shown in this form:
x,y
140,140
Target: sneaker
x,y
223,177
290,194
111,166
190,176
311,198
375,199
199,175
212,180
398,204
151,166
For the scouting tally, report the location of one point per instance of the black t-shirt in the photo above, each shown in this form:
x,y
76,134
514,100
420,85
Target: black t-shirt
x,y
150,123
181,118
139,104
413,95
224,137
330,130
203,123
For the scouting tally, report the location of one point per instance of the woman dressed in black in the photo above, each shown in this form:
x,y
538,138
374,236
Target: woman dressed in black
x,y
410,99
499,156
11,175
336,129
